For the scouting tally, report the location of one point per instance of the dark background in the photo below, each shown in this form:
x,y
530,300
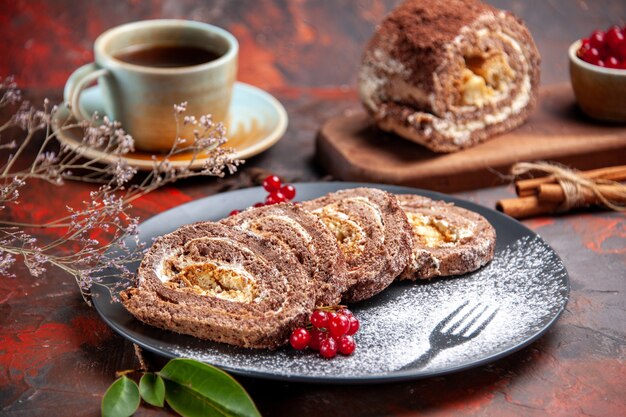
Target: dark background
x,y
57,357
283,43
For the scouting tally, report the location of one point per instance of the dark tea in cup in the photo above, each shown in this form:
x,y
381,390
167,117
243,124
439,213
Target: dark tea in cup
x,y
166,56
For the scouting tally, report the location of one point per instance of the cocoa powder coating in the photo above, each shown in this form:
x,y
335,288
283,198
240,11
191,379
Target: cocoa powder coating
x,y
419,29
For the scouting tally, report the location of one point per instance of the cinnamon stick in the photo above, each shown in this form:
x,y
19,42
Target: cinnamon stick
x,y
530,186
523,207
555,194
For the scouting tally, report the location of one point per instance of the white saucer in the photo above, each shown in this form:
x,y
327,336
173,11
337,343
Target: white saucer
x,y
257,121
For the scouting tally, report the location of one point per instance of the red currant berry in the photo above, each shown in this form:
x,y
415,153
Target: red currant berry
x,y
271,199
612,62
278,196
259,204
328,348
271,183
614,40
289,191
234,213
621,52
354,326
591,56
319,319
300,338
599,63
597,39
585,43
316,338
346,312
346,345
330,315
338,325
585,46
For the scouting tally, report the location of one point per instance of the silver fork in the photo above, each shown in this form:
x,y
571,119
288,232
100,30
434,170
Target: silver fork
x,y
454,330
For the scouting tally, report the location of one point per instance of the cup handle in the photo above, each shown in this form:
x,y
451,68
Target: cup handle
x,y
77,82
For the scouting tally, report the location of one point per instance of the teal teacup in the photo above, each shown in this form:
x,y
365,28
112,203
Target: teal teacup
x,y
145,68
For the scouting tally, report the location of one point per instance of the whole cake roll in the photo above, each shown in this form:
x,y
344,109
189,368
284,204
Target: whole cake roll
x,y
218,283
449,240
449,74
373,233
306,236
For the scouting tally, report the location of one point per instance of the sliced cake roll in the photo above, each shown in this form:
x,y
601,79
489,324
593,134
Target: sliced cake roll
x,y
449,240
451,74
306,236
222,284
373,234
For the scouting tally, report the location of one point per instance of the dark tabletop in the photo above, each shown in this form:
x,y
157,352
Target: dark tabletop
x,y
56,355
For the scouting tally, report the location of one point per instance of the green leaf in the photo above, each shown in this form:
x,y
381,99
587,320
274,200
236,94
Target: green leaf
x,y
152,389
121,399
195,389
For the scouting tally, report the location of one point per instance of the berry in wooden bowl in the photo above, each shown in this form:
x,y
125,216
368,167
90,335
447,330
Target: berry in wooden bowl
x,y
598,74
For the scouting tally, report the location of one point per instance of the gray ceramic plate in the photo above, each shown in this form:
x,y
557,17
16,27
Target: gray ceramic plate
x,y
526,285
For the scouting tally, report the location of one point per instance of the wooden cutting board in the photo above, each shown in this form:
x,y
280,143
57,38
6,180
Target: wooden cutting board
x,y
350,148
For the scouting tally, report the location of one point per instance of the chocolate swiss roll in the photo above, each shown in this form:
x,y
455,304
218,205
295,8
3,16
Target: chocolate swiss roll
x,y
449,74
222,284
373,233
305,235
448,240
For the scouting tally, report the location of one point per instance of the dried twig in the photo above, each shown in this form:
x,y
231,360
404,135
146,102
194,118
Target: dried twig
x,y
74,250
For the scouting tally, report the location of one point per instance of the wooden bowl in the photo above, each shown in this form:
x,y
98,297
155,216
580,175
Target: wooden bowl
x,y
600,92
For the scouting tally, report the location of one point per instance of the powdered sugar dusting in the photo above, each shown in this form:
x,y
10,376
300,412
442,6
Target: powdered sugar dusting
x,y
526,281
